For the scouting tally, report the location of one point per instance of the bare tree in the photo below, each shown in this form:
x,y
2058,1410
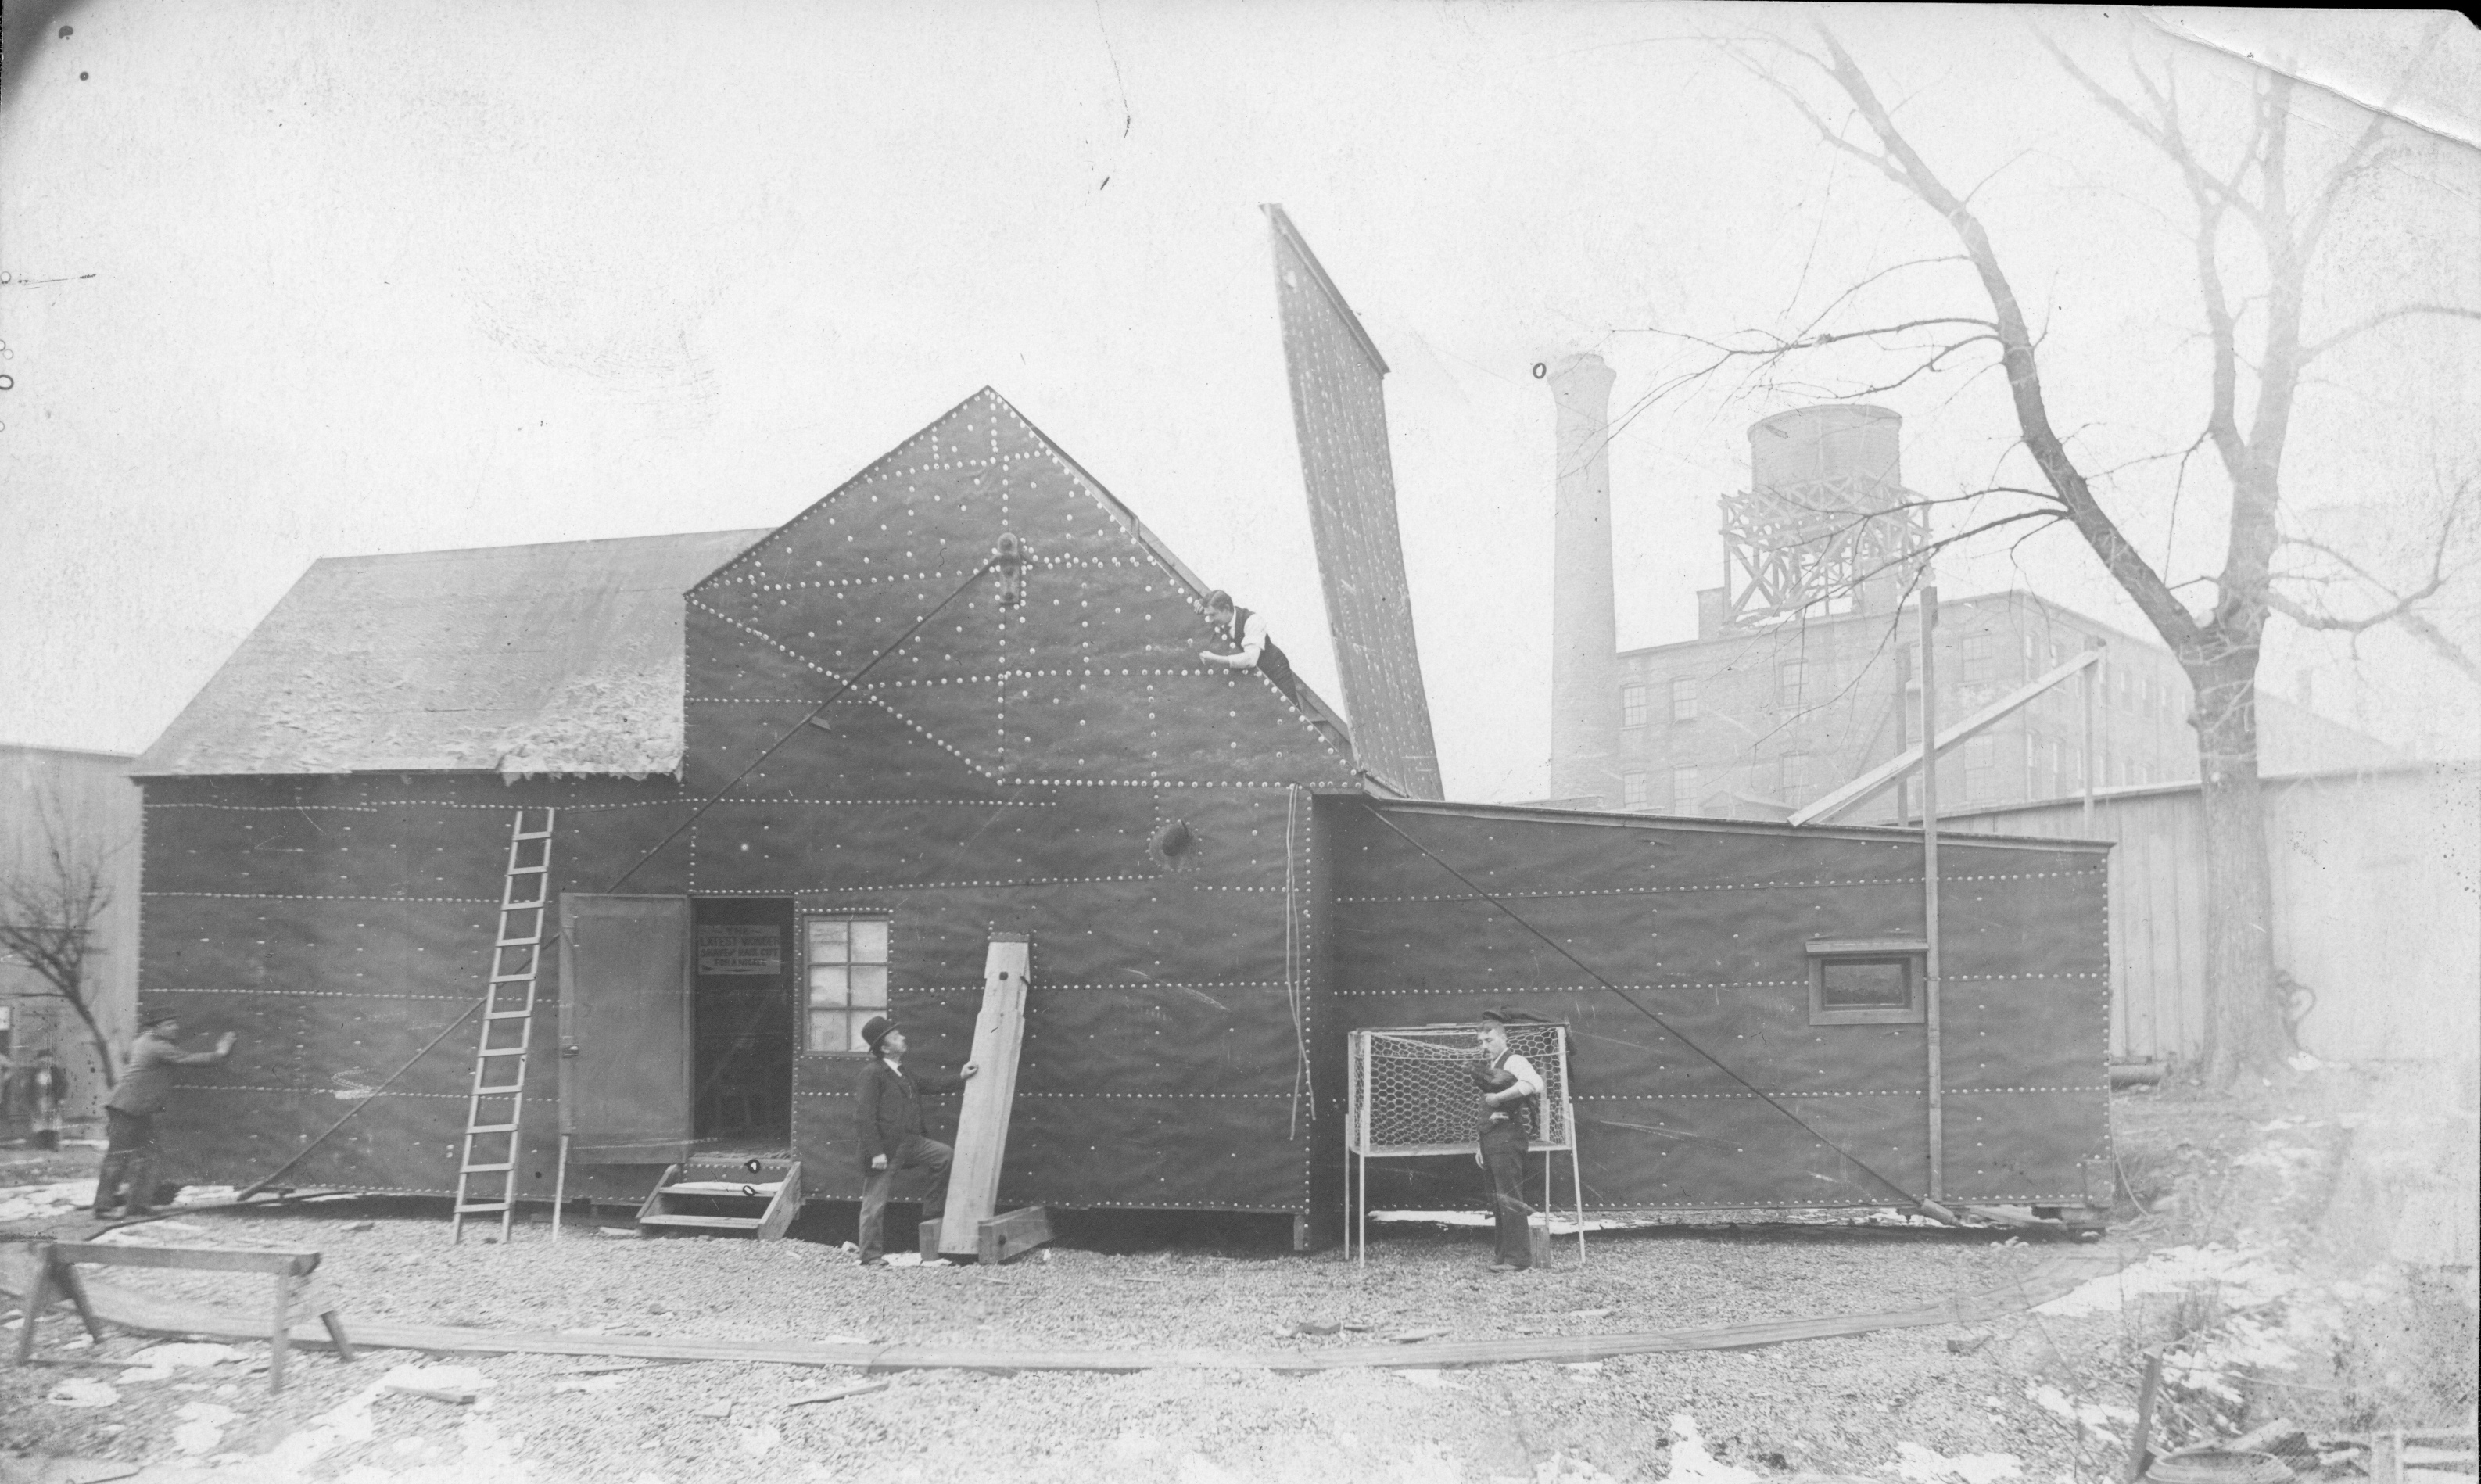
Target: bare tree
x,y
2263,211
52,905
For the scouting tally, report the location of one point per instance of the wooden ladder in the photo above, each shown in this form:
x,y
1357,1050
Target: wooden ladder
x,y
507,1033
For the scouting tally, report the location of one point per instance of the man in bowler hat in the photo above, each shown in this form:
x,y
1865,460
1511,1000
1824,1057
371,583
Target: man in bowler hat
x,y
888,1111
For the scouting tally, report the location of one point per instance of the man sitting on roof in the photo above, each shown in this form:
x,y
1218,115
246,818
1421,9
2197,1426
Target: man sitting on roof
x,y
1246,632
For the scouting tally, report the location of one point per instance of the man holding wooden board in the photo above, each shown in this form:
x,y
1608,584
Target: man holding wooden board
x,y
888,1115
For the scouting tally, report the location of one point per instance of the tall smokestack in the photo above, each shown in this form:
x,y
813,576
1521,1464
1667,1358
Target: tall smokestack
x,y
1584,637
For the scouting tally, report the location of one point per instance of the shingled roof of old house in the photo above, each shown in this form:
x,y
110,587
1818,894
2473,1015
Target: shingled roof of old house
x,y
563,657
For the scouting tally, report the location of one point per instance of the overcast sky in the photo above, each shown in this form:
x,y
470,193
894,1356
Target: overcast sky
x,y
297,280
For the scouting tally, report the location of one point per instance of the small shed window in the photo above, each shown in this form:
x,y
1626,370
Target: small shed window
x,y
847,979
1866,981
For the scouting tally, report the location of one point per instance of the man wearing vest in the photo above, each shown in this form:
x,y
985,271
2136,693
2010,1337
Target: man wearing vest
x,y
1511,1095
1246,632
887,1109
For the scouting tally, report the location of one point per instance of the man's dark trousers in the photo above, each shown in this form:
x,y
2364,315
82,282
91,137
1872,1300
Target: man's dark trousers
x,y
129,1156
919,1155
1502,1154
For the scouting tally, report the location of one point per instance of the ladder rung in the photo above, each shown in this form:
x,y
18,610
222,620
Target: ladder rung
x,y
502,1051
491,1128
543,834
508,1014
481,1205
487,1169
528,870
534,942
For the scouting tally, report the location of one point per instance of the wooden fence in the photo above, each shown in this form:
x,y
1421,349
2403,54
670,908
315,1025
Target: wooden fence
x,y
2377,907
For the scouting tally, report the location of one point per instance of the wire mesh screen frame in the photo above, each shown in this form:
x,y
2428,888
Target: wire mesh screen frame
x,y
1430,1067
1412,1090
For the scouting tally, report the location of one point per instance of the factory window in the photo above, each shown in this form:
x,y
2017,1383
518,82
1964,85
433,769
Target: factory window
x,y
1684,699
1632,705
1980,768
1974,670
1788,682
1795,777
1632,790
848,985
1866,981
1684,790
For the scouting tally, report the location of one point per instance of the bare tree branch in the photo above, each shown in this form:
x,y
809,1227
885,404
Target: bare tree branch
x,y
2363,327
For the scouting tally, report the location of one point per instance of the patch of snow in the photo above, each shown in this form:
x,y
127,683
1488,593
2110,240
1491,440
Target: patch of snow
x,y
161,1361
2242,1278
2101,1418
202,1427
1560,1469
1927,1466
25,1203
1199,1469
1692,1464
1132,1444
1427,1377
80,1392
601,1383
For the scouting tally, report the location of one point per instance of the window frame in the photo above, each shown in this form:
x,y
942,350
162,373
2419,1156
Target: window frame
x,y
1912,954
1633,797
1679,805
1635,704
850,1014
1683,698
1791,683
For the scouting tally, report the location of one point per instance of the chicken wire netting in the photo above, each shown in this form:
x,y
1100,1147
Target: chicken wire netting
x,y
1413,1089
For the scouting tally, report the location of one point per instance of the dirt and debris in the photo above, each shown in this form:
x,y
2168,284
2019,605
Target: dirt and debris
x,y
2236,1278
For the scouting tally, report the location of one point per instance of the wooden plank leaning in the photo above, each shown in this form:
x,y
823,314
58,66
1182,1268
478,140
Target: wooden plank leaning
x,y
983,1126
56,1264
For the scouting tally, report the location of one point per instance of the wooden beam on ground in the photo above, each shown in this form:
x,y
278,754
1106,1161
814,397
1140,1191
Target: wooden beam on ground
x,y
146,1313
1011,1236
1883,777
983,1127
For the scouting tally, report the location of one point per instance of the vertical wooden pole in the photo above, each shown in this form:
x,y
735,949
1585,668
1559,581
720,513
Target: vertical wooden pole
x,y
38,1294
2140,1443
1903,725
2085,684
280,1339
983,1127
560,1187
1930,886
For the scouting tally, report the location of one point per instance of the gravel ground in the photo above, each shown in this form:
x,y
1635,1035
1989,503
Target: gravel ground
x,y
2051,1393
1835,1403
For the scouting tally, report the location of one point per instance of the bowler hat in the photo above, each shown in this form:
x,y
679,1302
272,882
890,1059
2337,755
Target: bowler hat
x,y
876,1028
156,1015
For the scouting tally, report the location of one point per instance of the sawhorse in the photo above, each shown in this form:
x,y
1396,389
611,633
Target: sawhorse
x,y
56,1264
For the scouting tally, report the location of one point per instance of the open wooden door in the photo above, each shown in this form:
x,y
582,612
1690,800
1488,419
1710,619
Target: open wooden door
x,y
625,1044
